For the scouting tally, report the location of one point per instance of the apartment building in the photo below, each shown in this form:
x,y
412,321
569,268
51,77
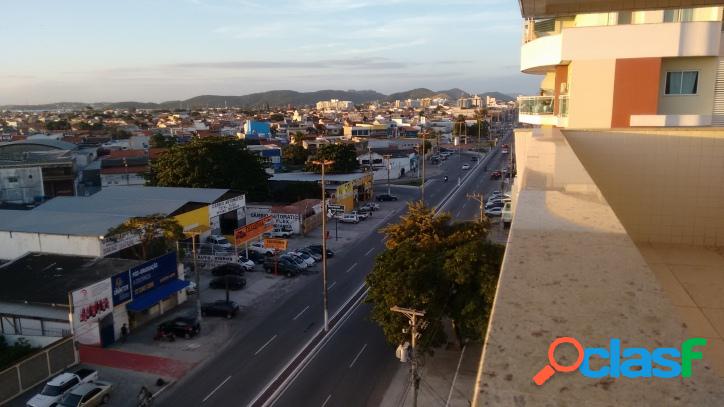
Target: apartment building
x,y
618,207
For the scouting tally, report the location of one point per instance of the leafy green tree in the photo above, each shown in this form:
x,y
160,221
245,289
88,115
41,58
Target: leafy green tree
x,y
447,269
158,140
343,155
158,234
61,124
212,162
295,154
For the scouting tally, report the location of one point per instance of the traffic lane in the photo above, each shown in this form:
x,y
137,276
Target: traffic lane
x,y
342,373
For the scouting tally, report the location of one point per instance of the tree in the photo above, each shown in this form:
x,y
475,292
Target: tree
x,y
295,154
61,124
447,269
157,234
343,155
212,162
158,140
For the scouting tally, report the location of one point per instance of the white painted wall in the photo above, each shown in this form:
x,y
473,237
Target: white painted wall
x,y
15,244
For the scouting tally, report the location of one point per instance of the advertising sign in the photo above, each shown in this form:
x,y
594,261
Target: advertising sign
x,y
286,219
114,244
220,208
276,244
90,304
254,230
153,273
121,286
254,213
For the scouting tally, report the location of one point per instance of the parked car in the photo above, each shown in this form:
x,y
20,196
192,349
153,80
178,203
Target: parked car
x,y
58,386
87,395
466,166
317,248
228,269
496,211
316,256
304,257
191,288
386,197
284,266
246,263
294,260
283,232
219,242
507,214
360,214
220,308
349,218
234,282
181,326
256,257
259,248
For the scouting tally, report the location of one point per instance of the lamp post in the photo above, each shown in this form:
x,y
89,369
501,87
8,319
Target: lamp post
x,y
422,184
389,166
324,164
193,233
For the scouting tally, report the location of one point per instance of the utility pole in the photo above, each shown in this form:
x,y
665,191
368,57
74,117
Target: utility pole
x,y
324,163
372,173
193,233
422,185
387,157
479,197
412,315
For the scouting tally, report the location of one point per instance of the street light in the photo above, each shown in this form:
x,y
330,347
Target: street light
x,y
193,232
324,164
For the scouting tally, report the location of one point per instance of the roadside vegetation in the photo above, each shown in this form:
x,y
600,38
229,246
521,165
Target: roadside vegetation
x,y
11,354
447,269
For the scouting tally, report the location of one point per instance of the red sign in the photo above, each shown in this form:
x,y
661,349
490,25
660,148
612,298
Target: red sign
x,y
253,230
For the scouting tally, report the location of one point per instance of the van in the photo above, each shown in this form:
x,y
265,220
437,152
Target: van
x,y
507,214
349,218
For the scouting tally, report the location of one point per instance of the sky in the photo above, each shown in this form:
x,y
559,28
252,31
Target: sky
x,y
158,50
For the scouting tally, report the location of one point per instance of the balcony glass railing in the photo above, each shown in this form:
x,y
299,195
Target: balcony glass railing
x,y
535,105
563,105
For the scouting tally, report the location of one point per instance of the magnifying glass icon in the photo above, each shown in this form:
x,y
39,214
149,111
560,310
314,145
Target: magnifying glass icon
x,y
553,366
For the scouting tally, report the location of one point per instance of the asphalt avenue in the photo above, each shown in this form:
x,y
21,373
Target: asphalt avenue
x,y
350,367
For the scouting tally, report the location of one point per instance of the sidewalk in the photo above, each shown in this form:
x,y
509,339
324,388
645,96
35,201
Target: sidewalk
x,y
436,379
134,361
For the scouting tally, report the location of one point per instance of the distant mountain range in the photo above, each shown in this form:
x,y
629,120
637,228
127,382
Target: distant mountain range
x,y
273,98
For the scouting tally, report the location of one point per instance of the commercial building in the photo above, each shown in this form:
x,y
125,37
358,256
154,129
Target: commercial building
x,y
618,223
347,190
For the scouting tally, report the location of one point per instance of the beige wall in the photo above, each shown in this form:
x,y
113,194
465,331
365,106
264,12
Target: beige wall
x,y
666,186
591,93
701,103
548,83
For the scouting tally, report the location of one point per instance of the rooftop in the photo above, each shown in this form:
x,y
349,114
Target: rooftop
x,y
555,8
42,278
314,177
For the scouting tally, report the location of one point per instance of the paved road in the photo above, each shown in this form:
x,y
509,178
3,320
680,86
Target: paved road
x,y
242,370
355,366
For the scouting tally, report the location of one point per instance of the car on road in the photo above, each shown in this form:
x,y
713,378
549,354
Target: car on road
x,y
496,211
496,175
181,326
220,308
349,218
228,269
87,395
370,207
234,282
284,232
317,248
218,242
58,386
362,215
466,166
386,197
259,248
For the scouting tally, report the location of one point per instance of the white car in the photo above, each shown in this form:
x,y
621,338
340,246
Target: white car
x,y
361,215
259,248
349,218
497,211
219,242
246,263
507,214
466,166
307,259
58,386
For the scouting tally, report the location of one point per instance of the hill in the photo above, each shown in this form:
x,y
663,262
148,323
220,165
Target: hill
x,y
420,93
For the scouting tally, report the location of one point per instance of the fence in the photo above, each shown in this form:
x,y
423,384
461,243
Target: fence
x,y
36,368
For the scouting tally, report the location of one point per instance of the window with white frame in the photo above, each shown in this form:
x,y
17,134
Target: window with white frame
x,y
681,82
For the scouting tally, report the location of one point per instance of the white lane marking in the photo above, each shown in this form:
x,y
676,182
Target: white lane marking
x,y
300,313
369,251
351,267
464,204
215,389
326,400
264,345
331,285
452,386
358,355
457,215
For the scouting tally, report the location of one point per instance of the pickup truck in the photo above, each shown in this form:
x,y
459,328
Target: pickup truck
x,y
56,387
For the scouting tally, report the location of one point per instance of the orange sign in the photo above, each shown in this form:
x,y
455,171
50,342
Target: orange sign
x,y
276,244
253,230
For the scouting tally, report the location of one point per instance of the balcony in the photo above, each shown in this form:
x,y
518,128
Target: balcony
x,y
541,110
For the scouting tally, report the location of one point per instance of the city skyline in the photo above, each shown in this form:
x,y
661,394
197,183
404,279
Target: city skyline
x,y
176,50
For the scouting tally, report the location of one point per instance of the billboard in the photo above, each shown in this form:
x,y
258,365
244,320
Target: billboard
x,y
121,286
220,208
153,273
253,230
90,304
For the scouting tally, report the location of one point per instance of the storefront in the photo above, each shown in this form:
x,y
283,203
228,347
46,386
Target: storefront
x,y
227,215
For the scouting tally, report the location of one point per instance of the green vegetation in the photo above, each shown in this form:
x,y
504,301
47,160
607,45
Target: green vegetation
x,y
10,355
343,155
212,162
158,234
158,140
448,269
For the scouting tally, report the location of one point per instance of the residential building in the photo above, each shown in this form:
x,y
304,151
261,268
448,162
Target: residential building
x,y
254,130
618,223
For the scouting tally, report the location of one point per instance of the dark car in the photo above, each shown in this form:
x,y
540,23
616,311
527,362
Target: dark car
x,y
282,266
228,269
474,158
234,282
181,326
496,175
317,256
386,197
317,248
256,257
220,308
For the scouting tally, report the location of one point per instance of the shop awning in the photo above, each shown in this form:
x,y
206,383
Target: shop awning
x,y
149,299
